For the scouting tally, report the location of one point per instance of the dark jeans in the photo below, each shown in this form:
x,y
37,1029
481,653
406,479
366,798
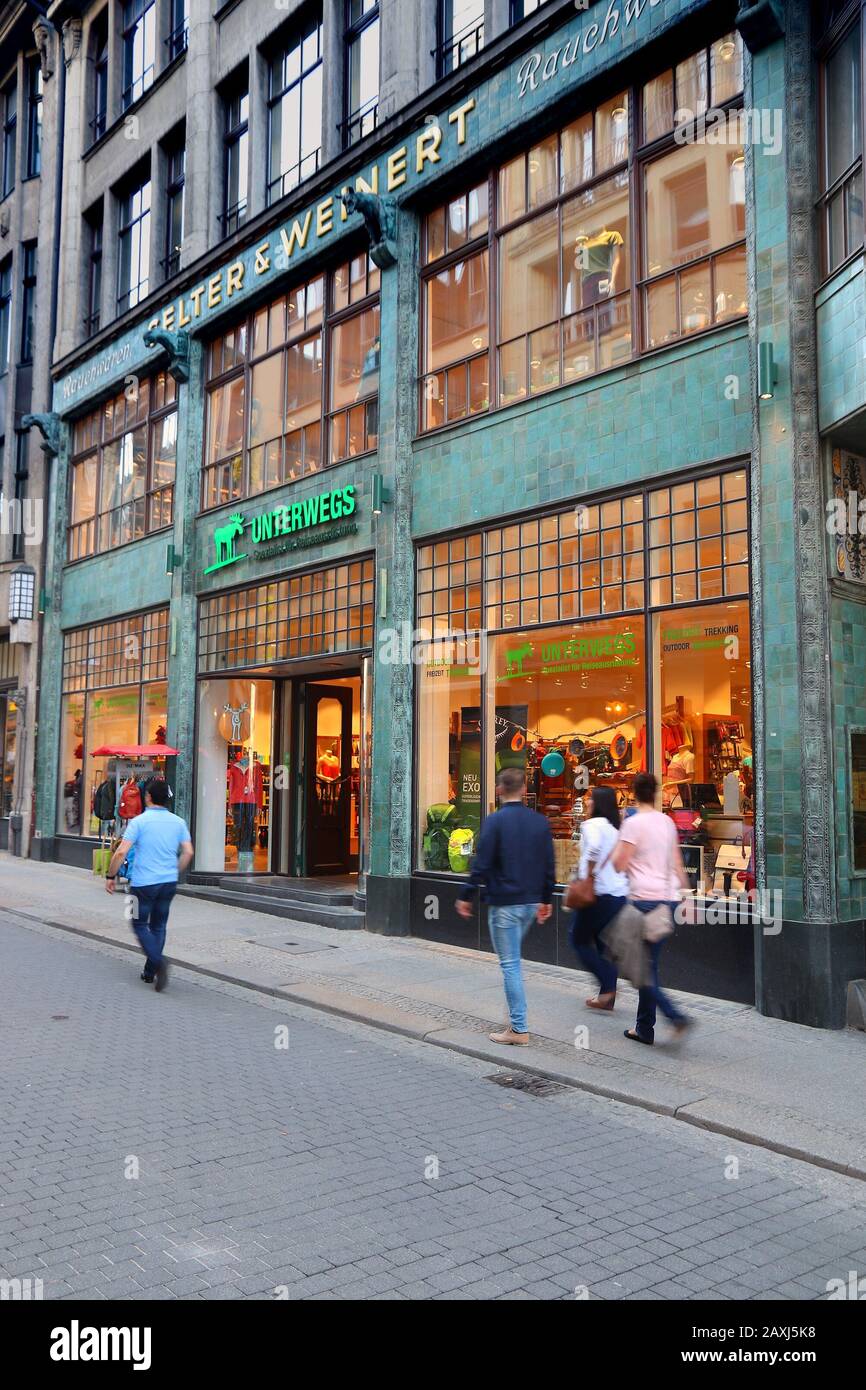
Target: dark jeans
x,y
653,996
586,926
153,901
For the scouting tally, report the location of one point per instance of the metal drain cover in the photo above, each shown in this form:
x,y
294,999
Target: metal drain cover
x,y
526,1082
303,946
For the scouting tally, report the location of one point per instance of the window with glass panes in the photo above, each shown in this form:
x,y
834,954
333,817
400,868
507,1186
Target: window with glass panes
x,y
93,233
841,145
34,117
139,49
461,33
174,204
295,387
362,69
662,546
329,609
295,109
123,469
5,312
578,291
133,261
236,146
10,134
99,52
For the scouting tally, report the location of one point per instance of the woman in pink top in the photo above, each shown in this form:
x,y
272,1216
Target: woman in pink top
x,y
649,854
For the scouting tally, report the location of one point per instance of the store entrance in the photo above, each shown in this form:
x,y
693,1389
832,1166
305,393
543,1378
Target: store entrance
x,y
332,777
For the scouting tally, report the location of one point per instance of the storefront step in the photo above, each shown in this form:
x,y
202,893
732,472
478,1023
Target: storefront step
x,y
307,909
314,891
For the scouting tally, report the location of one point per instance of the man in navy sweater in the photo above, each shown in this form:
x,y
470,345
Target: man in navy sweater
x,y
514,862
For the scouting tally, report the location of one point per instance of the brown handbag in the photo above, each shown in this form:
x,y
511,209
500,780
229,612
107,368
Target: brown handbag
x,y
581,891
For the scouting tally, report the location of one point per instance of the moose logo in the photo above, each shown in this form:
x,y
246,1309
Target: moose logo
x,y
224,542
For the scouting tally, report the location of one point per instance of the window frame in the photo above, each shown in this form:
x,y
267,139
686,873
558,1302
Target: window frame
x,y
96,450
34,116
450,43
6,268
236,133
175,193
99,120
332,319
10,136
302,29
95,230
177,39
351,37
640,156
833,38
29,268
141,288
137,13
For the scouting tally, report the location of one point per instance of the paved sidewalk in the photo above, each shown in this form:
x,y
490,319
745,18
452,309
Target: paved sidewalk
x,y
793,1089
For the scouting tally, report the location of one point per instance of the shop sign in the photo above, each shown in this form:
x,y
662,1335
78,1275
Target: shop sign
x,y
542,66
698,638
291,526
604,650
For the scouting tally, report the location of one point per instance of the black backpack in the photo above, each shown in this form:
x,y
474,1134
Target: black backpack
x,y
103,801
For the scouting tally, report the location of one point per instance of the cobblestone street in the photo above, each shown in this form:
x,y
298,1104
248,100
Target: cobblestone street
x,y
353,1165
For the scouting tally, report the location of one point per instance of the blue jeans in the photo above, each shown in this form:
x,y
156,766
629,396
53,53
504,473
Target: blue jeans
x,y
508,927
653,996
150,921
586,926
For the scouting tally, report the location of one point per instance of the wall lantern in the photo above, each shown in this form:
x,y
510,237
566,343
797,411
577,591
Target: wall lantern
x,y
22,593
768,372
380,494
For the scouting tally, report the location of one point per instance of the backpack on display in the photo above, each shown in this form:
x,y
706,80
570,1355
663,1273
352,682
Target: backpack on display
x,y
460,846
103,801
441,820
130,801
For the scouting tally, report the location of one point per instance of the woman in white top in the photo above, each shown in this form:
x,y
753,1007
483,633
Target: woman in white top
x,y
599,836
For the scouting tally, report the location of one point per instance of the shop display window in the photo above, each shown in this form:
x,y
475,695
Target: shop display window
x,y
115,692
295,387
234,759
9,715
858,800
703,739
561,641
123,468
552,229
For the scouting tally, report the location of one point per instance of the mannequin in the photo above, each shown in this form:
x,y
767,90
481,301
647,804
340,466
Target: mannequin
x,y
328,765
599,259
245,795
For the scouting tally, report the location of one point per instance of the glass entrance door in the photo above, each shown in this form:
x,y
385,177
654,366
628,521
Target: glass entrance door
x,y
328,746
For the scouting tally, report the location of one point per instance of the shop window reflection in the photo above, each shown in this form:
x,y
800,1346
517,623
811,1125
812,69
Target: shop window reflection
x,y
234,776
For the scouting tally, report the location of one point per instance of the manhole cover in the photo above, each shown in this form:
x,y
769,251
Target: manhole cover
x,y
524,1081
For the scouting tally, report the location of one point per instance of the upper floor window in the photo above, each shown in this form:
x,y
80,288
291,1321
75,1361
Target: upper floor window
x,y
100,75
296,387
133,262
93,228
521,8
841,124
123,469
461,32
236,144
362,69
5,314
295,110
174,206
10,134
34,117
577,292
28,301
139,48
178,34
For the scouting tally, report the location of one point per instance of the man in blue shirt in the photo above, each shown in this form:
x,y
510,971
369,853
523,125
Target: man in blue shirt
x,y
163,849
514,860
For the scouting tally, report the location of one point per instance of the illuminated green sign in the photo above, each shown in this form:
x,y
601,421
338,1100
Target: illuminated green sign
x,y
285,527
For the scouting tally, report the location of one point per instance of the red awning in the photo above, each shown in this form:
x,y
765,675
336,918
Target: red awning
x,y
135,750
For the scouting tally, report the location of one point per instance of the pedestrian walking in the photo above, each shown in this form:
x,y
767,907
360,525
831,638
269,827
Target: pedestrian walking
x,y
649,854
514,867
163,849
596,879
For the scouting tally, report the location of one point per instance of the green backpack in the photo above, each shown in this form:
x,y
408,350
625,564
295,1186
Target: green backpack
x,y
442,818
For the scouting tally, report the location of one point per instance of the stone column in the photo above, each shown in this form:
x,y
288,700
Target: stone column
x,y
497,18
388,883
202,190
400,29
333,80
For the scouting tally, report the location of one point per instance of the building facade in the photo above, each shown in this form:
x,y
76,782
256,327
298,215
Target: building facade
x,y
411,429
30,66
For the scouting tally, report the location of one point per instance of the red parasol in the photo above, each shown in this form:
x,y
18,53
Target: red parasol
x,y
135,750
